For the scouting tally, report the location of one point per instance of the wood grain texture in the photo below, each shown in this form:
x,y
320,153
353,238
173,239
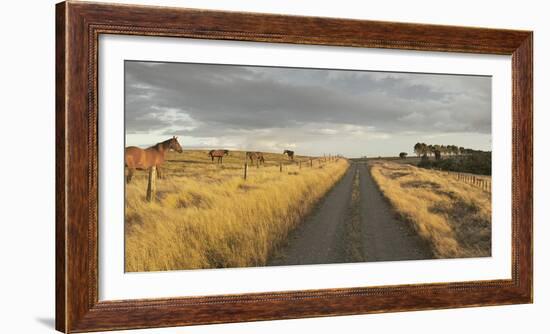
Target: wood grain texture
x,y
78,26
60,179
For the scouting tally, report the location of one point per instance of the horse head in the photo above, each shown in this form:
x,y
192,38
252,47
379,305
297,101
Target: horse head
x,y
175,145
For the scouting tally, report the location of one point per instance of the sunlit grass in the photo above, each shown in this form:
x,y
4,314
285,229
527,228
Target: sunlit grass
x,y
455,217
207,216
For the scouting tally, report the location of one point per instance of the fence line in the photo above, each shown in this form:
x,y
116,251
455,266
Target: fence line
x,y
481,182
152,173
309,163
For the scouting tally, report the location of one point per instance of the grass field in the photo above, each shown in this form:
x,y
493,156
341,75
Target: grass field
x,y
207,216
453,216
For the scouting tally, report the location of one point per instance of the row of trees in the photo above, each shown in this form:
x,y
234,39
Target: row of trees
x,y
422,149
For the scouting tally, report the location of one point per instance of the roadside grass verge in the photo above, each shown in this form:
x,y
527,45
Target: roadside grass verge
x,y
453,216
208,216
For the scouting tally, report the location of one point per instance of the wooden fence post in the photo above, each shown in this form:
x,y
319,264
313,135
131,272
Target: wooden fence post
x,y
280,167
152,184
245,169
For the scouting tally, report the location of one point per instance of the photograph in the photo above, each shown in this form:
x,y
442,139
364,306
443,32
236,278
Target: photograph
x,y
232,166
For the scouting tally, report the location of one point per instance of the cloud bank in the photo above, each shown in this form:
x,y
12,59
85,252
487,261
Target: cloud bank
x,y
314,111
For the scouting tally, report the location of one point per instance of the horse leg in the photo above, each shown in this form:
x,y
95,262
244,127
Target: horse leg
x,y
159,173
129,176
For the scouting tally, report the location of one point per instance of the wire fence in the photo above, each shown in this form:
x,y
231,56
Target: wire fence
x,y
483,182
295,164
298,164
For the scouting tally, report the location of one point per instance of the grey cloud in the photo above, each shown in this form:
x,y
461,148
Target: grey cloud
x,y
223,100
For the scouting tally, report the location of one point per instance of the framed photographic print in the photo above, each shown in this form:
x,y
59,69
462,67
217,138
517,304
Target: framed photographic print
x,y
223,166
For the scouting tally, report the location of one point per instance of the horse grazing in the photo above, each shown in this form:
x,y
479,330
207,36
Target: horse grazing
x,y
289,153
218,154
258,156
143,159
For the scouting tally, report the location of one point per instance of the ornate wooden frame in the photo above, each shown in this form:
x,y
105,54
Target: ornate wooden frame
x,y
78,25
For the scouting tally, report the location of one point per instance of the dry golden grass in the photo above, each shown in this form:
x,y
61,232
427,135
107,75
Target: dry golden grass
x,y
454,216
208,216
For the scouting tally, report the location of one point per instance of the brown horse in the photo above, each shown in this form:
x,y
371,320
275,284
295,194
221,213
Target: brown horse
x,y
289,153
218,154
258,156
143,159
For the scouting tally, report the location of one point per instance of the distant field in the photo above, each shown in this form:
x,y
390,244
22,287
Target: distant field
x,y
453,216
475,163
412,160
207,216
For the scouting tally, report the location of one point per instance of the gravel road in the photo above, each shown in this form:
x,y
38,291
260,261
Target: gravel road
x,y
324,236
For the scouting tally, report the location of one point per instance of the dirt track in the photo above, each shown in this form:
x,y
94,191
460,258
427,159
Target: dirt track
x,y
325,237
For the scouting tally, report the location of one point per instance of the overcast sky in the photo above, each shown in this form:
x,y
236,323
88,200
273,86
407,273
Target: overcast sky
x,y
312,111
